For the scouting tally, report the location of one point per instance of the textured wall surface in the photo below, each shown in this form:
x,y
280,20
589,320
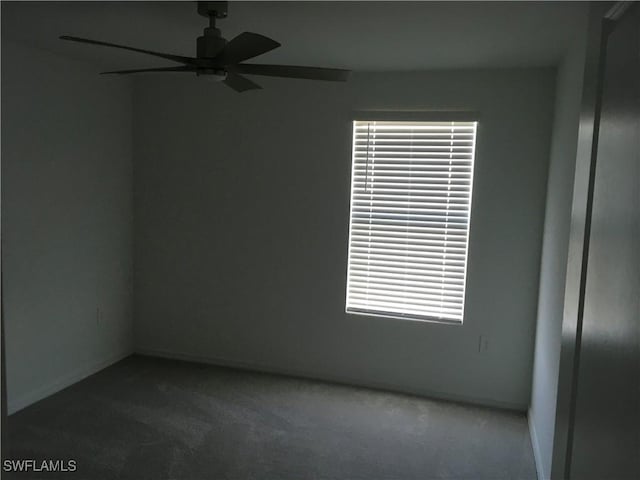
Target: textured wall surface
x,y
66,221
241,226
555,249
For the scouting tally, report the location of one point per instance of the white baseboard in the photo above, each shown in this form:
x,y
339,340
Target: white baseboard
x,y
536,448
17,403
223,362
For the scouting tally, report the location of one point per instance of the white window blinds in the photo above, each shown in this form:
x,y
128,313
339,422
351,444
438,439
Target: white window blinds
x,y
409,224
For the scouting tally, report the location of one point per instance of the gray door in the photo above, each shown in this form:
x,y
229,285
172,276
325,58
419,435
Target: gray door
x,y
606,436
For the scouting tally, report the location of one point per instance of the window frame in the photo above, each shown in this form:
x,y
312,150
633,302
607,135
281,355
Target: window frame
x,y
413,116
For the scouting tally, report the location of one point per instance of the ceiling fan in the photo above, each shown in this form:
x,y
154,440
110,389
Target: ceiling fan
x,y
220,60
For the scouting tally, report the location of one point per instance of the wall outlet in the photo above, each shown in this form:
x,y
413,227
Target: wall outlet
x,y
98,315
483,344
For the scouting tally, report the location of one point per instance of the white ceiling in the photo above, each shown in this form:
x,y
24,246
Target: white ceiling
x,y
353,35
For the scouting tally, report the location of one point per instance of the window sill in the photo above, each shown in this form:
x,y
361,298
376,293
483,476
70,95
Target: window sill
x,y
439,320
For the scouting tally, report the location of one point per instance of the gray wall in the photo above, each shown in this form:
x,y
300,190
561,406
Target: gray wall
x,y
555,247
241,225
66,221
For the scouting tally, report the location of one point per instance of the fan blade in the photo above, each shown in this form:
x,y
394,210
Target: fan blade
x,y
244,46
185,68
174,58
292,71
240,83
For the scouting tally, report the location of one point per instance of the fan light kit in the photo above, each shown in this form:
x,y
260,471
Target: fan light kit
x,y
220,60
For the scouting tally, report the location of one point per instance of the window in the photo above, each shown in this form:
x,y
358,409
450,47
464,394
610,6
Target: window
x,y
409,224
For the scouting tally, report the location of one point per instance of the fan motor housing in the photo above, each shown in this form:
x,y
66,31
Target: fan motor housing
x,y
210,44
